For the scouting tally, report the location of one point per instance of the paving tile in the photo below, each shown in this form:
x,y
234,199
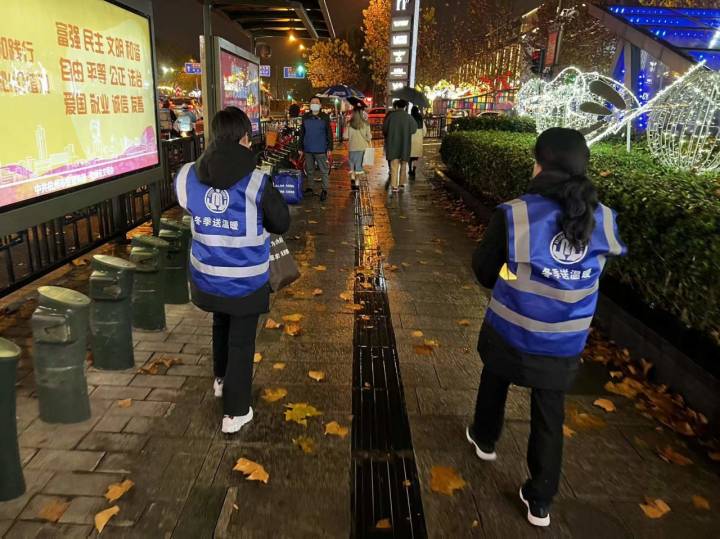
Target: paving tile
x,y
109,378
111,423
149,380
35,480
139,425
26,529
64,460
82,510
140,408
191,370
155,346
120,392
113,441
80,484
38,503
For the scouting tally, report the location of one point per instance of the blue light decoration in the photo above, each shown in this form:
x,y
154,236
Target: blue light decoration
x,y
643,96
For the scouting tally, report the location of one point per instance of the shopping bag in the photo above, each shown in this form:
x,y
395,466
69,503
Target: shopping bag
x,y
369,157
289,183
283,269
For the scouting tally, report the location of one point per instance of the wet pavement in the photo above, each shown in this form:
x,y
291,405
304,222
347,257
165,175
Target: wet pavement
x,y
168,441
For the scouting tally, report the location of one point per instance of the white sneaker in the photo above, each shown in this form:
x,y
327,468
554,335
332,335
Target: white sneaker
x,y
218,387
482,455
232,424
537,514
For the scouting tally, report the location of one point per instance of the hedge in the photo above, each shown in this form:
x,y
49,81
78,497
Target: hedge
x,y
669,220
494,122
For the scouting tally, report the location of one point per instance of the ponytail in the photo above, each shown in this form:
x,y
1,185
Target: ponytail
x,y
579,200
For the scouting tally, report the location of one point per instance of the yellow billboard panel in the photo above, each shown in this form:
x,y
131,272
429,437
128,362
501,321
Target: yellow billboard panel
x,y
76,94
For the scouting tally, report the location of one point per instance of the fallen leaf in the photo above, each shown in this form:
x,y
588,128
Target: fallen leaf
x,y
701,503
169,361
124,403
293,329
464,323
116,490
405,264
317,292
616,374
432,343
252,470
320,268
292,317
53,510
605,404
568,432
312,222
271,324
383,524
417,334
475,524
423,349
646,366
622,388
278,366
336,429
258,357
79,262
305,443
274,394
655,508
669,455
584,420
355,307
605,173
318,376
346,296
299,412
103,517
445,480
715,455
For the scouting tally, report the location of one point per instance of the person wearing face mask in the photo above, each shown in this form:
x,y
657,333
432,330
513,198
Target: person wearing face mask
x,y
316,141
234,208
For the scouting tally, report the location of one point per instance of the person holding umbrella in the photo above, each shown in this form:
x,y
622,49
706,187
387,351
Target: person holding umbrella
x,y
398,129
316,141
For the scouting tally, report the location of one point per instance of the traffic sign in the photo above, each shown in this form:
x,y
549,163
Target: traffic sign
x,y
293,72
193,68
265,70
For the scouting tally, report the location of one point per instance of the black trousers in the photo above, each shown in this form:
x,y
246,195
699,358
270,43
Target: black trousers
x,y
547,414
233,354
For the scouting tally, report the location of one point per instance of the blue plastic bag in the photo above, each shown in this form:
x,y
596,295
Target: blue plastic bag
x,y
290,185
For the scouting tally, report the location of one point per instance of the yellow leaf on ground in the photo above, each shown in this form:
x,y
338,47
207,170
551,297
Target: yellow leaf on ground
x,y
715,455
668,454
407,483
605,404
445,480
318,376
417,334
293,329
464,323
258,357
317,292
320,268
296,317
271,324
278,366
53,510
355,307
273,394
432,343
305,443
475,524
383,524
405,264
423,350
616,374
124,403
312,222
584,420
252,470
568,432
117,490
346,296
655,508
299,412
623,388
170,361
701,503
336,429
103,517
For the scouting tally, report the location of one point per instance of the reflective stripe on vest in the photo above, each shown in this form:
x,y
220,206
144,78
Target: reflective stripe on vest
x,y
547,306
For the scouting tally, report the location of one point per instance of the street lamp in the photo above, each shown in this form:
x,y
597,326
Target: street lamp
x,y
292,38
302,47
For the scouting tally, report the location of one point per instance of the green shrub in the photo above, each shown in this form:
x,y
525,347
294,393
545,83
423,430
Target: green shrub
x,y
669,220
492,122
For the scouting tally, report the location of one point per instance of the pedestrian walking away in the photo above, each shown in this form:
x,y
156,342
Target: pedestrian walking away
x,y
418,138
359,139
398,129
316,141
234,208
542,256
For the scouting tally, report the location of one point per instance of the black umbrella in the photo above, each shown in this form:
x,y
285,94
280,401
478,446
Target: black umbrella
x,y
416,97
357,102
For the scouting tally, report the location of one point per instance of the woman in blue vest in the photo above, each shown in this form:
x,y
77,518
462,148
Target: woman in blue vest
x,y
542,256
234,207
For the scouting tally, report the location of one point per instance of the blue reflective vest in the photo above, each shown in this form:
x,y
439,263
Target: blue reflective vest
x,y
230,254
545,299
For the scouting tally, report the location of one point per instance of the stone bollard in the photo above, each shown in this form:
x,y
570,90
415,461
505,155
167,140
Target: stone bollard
x,y
111,285
176,285
148,303
60,328
12,482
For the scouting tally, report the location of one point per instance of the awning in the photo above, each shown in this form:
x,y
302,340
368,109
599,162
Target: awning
x,y
307,19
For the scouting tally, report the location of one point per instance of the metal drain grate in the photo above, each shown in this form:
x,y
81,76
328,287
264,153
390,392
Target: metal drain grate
x,y
384,481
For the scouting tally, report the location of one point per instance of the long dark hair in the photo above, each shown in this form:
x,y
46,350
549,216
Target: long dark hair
x,y
564,151
357,121
415,113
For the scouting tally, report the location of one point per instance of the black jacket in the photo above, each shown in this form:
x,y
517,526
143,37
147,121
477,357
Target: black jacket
x,y
328,129
221,166
546,372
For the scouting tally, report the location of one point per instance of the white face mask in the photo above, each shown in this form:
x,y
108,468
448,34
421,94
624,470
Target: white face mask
x,y
315,107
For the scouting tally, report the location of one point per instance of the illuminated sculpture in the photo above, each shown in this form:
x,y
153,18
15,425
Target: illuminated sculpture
x,y
683,119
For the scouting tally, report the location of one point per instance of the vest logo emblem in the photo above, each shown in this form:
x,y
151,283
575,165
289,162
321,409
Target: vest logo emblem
x,y
217,200
563,251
